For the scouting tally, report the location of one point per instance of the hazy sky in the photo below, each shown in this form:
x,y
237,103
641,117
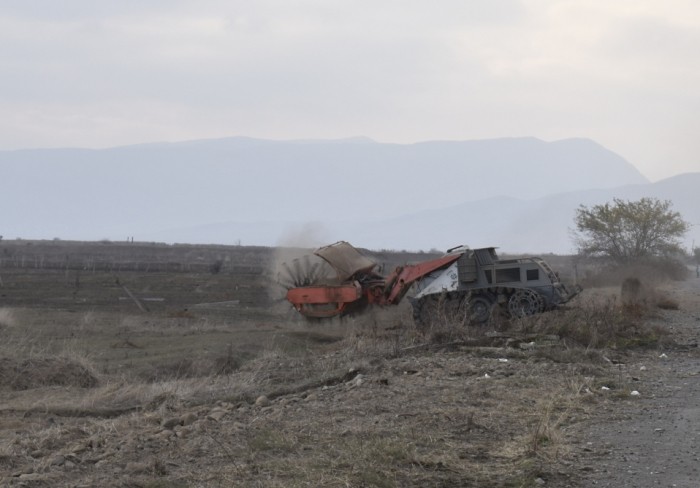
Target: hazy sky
x,y
89,73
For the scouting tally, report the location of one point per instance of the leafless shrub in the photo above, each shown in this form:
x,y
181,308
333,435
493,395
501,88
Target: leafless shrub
x,y
597,323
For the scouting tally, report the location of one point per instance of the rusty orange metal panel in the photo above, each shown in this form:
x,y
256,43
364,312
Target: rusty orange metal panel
x,y
325,294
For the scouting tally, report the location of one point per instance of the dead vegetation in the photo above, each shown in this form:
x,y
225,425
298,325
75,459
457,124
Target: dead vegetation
x,y
168,399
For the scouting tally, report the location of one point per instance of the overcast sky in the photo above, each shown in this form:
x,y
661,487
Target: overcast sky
x,y
89,73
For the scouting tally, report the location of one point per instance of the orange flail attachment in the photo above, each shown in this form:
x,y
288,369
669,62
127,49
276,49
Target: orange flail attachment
x,y
357,281
324,301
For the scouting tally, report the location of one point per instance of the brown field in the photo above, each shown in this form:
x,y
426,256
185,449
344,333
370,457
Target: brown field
x,y
149,365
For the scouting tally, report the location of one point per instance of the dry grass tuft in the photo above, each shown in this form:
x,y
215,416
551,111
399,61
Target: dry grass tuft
x,y
597,323
35,372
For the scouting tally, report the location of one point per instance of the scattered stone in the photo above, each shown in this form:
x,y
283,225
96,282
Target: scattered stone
x,y
23,471
137,468
58,460
79,448
165,434
170,423
32,477
217,414
188,419
262,401
635,393
540,481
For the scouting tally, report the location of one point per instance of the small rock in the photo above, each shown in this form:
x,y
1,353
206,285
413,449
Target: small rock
x,y
165,434
540,481
217,414
311,397
634,393
32,477
69,465
663,356
262,401
137,468
188,419
642,368
58,460
23,471
170,423
604,388
79,448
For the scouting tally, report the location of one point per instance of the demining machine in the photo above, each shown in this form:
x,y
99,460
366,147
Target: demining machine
x,y
475,281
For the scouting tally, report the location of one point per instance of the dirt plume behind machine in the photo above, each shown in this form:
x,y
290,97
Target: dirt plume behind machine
x,y
472,280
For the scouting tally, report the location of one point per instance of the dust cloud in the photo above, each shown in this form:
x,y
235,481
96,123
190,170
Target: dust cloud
x,y
293,262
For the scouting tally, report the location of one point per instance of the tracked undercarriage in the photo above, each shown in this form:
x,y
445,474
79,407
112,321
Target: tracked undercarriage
x,y
471,283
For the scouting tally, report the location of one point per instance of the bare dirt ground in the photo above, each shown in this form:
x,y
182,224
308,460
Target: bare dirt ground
x,y
216,386
654,441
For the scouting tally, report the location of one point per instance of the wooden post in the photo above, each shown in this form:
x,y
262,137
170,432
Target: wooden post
x,y
138,303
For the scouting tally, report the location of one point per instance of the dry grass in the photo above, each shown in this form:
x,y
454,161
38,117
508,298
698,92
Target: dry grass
x,y
597,322
364,401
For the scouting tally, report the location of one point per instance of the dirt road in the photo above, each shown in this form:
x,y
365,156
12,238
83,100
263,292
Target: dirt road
x,y
654,441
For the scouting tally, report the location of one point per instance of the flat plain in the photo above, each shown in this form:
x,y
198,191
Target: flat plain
x,y
147,365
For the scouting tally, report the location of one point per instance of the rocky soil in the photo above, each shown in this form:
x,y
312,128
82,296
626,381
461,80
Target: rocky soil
x,y
363,413
654,440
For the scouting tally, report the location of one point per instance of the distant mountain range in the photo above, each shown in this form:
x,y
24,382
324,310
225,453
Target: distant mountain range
x,y
518,194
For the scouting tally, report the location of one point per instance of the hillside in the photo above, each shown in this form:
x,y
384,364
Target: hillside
x,y
540,225
162,191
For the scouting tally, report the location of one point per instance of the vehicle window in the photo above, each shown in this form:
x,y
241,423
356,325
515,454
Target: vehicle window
x,y
507,274
532,274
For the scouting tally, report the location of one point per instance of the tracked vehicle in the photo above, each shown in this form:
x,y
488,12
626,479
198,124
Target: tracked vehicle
x,y
473,281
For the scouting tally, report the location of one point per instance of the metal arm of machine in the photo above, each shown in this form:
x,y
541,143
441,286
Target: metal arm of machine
x,y
399,282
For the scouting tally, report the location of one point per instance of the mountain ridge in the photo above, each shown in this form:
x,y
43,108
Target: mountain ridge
x,y
141,190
